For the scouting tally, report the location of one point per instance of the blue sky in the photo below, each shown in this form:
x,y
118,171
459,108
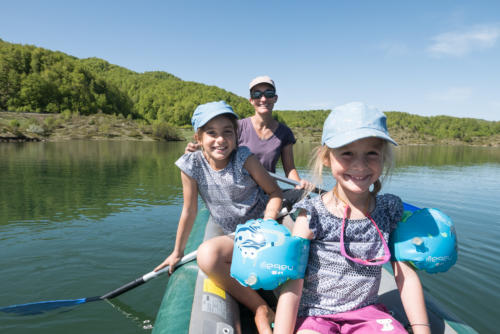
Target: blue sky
x,y
421,57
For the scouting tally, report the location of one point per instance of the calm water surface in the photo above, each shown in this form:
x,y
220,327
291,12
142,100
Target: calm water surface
x,y
79,219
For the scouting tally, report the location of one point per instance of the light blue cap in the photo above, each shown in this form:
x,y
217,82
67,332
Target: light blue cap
x,y
353,121
205,112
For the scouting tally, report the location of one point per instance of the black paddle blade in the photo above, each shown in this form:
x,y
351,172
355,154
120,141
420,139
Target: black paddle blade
x,y
40,307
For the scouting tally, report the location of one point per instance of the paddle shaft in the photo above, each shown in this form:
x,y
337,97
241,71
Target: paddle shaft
x,y
147,277
294,183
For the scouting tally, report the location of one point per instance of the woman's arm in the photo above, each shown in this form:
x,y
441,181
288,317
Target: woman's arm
x,y
288,163
412,296
291,291
289,167
268,184
186,221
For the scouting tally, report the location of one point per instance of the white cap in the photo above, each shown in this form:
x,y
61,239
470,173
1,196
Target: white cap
x,y
261,79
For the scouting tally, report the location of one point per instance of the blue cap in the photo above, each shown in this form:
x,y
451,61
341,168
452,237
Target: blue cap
x,y
353,121
205,112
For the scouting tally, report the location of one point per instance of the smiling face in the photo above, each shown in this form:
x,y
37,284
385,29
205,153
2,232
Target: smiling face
x,y
263,104
357,166
218,140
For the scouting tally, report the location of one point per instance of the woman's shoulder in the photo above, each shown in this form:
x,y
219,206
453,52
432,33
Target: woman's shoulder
x,y
282,127
284,132
243,122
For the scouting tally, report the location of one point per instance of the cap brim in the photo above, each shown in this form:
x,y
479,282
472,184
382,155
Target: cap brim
x,y
211,116
349,137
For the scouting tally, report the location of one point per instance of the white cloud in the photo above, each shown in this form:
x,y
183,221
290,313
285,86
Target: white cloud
x,y
453,95
461,43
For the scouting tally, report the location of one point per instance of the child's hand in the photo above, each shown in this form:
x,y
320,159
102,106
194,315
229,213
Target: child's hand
x,y
171,261
192,147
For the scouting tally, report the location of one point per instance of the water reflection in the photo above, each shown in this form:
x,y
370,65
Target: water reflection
x,y
110,210
423,155
67,180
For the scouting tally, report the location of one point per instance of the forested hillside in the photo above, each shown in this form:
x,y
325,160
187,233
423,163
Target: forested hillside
x,y
34,79
430,127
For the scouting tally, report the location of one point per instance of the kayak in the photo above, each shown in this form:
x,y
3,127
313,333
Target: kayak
x,y
193,304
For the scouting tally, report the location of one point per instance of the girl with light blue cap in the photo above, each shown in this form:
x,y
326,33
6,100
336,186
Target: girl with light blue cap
x,y
235,188
349,228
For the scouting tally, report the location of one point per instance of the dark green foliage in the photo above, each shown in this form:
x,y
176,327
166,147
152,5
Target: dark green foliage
x,y
38,80
440,127
302,119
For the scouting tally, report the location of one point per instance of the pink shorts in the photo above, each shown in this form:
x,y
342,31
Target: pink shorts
x,y
369,319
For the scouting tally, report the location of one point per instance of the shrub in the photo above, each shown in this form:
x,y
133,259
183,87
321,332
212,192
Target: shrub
x,y
14,124
36,129
163,130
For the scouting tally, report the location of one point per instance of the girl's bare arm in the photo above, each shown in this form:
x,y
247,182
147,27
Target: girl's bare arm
x,y
268,184
186,221
291,291
412,296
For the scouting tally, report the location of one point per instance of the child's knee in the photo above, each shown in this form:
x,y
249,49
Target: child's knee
x,y
213,253
208,256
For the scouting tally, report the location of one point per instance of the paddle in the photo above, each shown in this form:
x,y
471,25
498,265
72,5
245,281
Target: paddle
x,y
43,306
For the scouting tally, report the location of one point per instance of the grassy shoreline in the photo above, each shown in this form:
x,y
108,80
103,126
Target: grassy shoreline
x,y
20,127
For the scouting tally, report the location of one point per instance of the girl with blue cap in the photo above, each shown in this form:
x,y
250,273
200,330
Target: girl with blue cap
x,y
235,188
349,228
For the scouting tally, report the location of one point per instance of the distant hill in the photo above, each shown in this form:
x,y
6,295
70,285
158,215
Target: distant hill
x,y
408,128
34,79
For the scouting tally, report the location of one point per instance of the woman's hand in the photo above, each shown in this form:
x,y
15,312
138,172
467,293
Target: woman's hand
x,y
170,261
304,184
192,147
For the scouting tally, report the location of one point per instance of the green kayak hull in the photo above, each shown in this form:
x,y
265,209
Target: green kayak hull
x,y
192,304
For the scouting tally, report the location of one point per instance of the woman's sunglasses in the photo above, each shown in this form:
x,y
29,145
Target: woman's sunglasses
x,y
257,94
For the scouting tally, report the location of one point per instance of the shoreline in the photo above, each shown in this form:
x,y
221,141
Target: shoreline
x,y
17,127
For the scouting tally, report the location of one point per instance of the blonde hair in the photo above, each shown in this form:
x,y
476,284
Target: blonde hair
x,y
321,152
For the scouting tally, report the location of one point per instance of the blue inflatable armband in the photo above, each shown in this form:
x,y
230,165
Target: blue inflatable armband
x,y
426,239
265,255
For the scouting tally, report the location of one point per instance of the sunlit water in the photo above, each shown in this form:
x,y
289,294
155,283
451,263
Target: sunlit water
x,y
79,219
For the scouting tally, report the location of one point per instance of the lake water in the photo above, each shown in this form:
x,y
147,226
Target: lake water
x,y
79,219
